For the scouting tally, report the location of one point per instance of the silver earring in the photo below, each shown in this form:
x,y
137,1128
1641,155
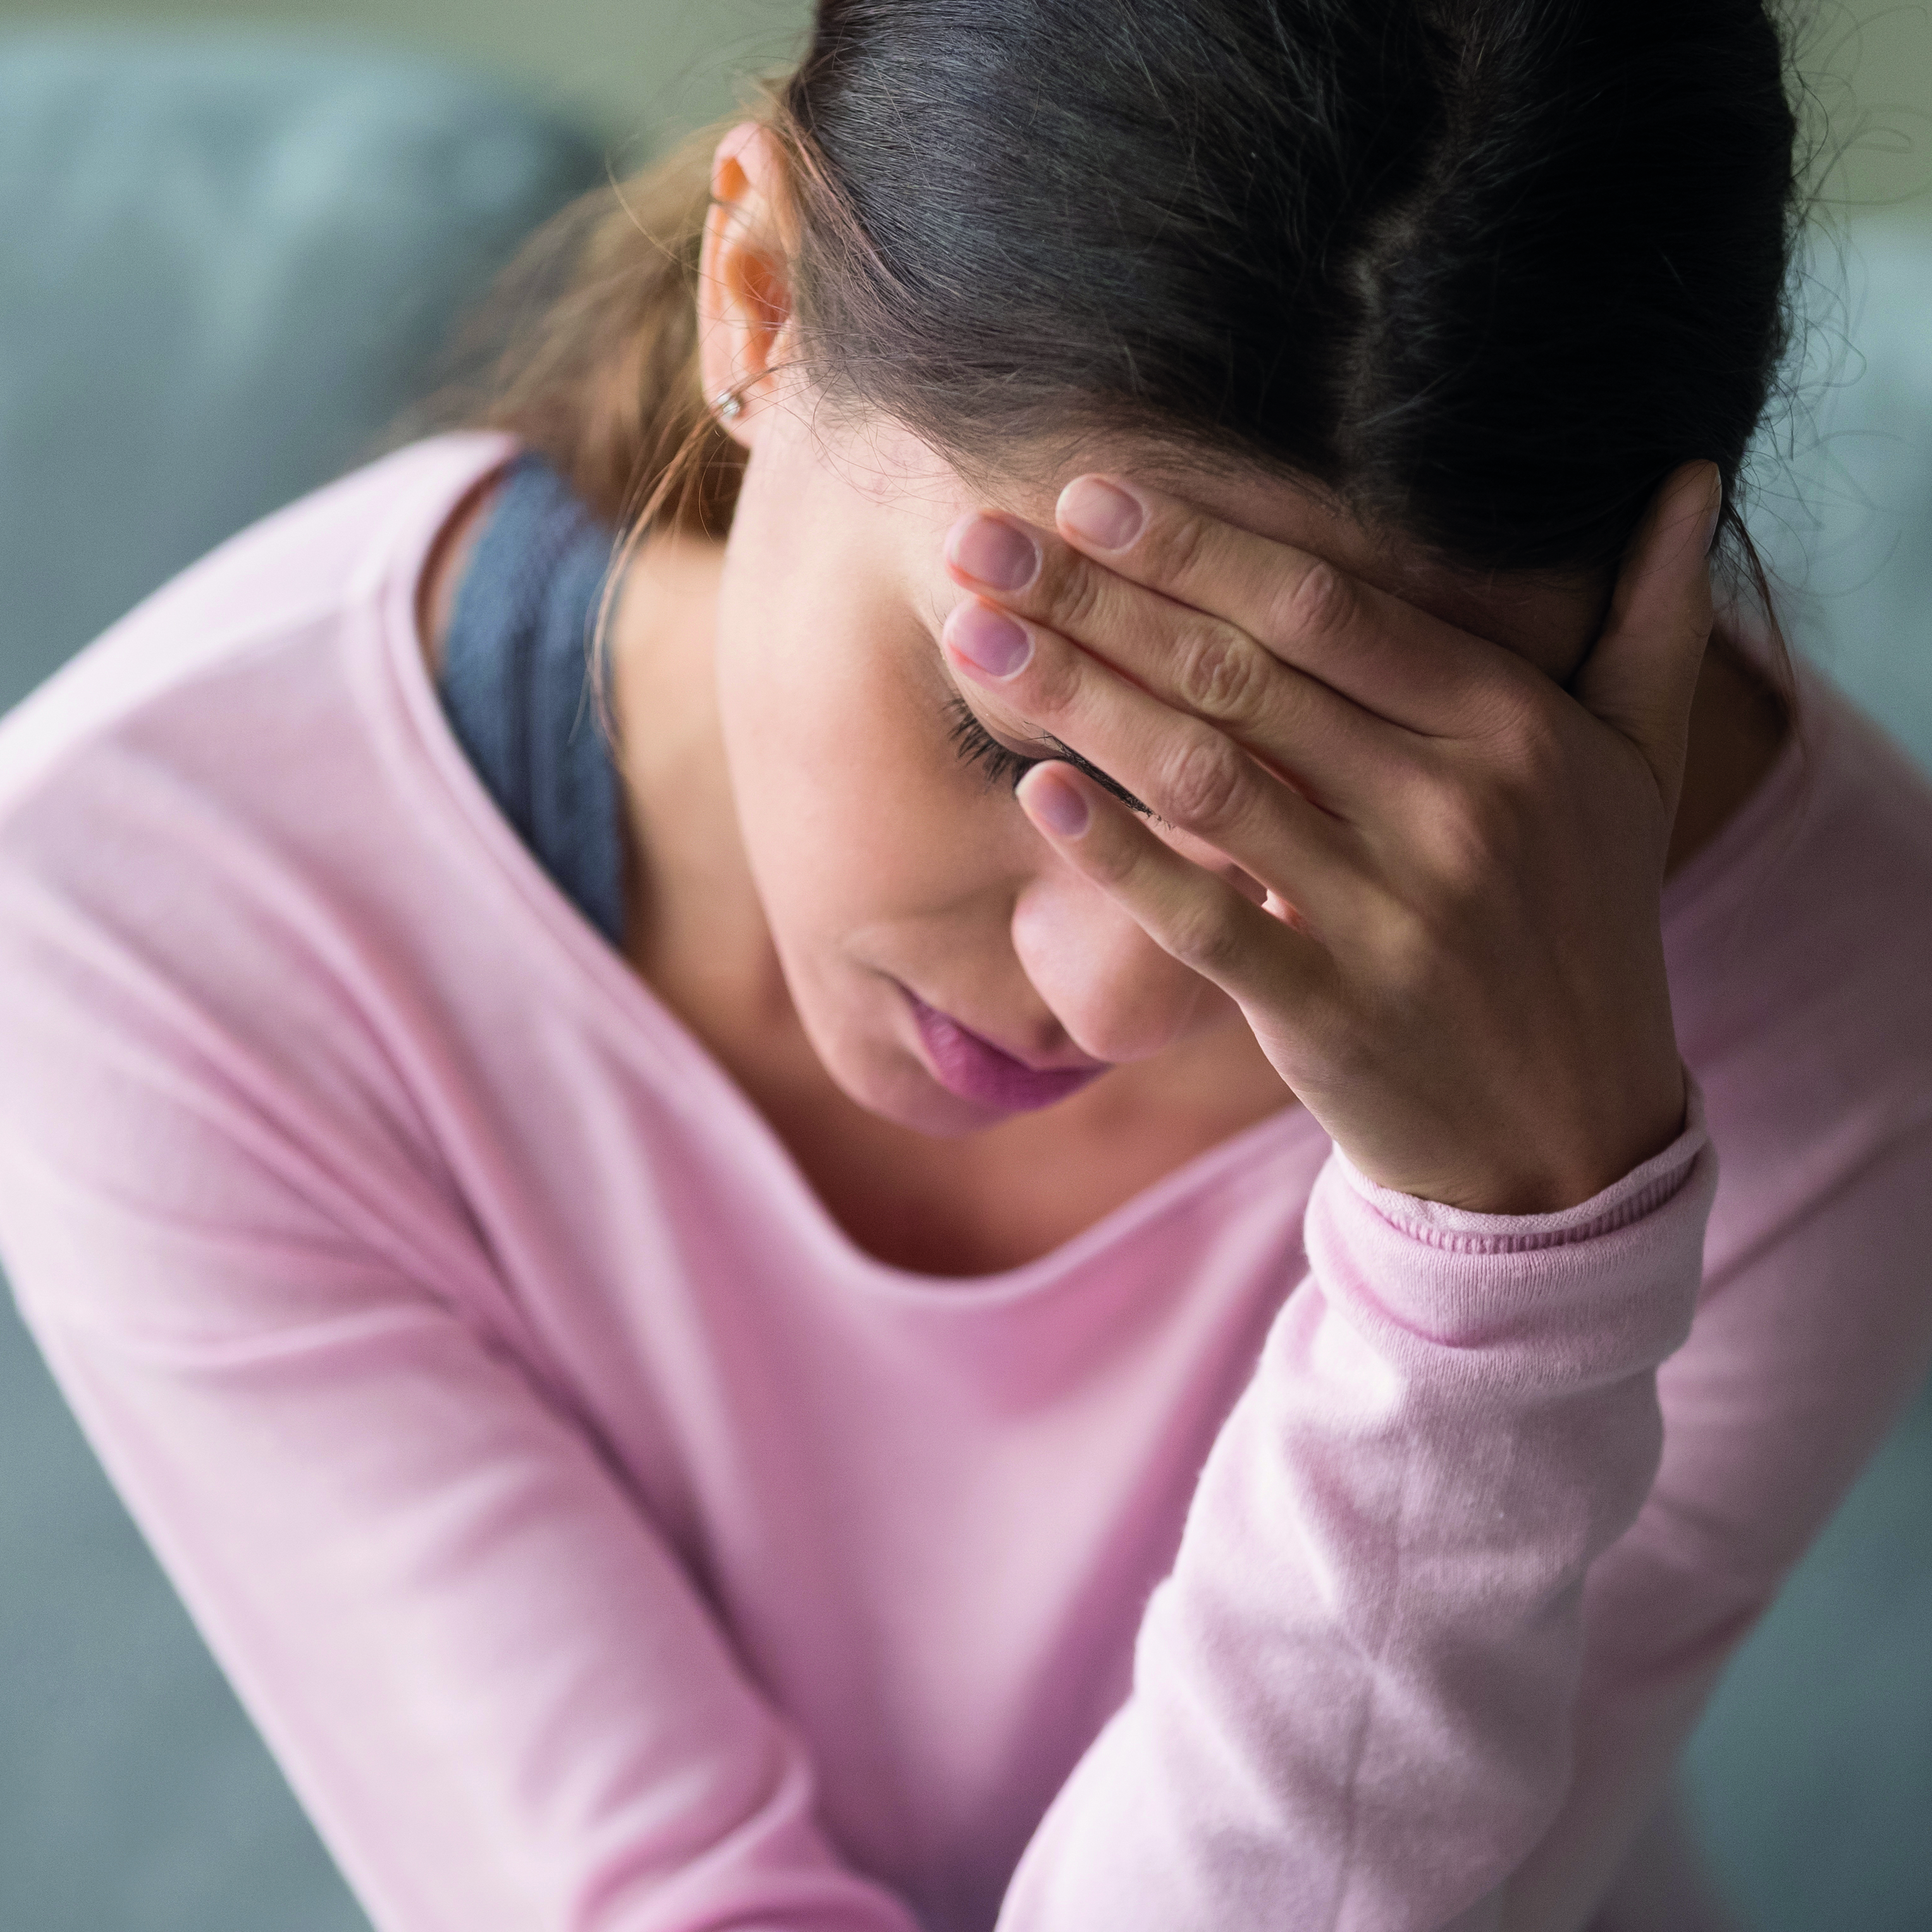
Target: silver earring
x,y
728,404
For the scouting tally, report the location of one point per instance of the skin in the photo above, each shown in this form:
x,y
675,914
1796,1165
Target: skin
x,y
1411,823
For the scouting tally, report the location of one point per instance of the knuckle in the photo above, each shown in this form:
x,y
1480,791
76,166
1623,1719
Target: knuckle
x,y
1178,542
1204,782
1518,792
1512,714
1484,835
1469,850
1318,603
1486,815
1474,832
1534,762
1073,597
1052,681
1218,671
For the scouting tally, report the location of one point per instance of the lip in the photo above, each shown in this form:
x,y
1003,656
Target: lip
x,y
977,1070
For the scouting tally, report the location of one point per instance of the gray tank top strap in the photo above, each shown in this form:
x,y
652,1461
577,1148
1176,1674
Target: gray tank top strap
x,y
515,684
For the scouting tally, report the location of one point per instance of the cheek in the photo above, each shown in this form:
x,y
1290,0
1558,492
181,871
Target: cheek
x,y
848,793
787,629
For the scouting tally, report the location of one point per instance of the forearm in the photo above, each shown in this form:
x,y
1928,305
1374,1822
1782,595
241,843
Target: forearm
x,y
1353,1697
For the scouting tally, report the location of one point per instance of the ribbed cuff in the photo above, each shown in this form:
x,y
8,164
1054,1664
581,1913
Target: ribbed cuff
x,y
1641,1192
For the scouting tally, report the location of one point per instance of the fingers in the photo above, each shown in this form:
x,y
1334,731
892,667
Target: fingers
x,y
1033,685
1383,655
1642,672
1199,920
1198,662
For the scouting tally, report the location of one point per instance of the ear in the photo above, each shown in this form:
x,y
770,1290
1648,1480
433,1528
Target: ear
x,y
744,288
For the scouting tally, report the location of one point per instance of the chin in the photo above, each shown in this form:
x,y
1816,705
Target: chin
x,y
885,1082
884,1075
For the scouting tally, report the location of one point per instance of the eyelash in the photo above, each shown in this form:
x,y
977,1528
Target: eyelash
x,y
977,745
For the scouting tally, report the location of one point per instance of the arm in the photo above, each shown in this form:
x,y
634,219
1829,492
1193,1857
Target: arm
x,y
1352,1698
488,1679
1428,875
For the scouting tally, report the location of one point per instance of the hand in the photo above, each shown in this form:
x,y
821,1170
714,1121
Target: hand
x,y
1458,967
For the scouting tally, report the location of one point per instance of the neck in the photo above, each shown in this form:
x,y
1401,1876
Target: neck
x,y
1738,725
694,928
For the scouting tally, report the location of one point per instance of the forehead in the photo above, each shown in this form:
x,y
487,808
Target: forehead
x,y
910,487
900,472
917,493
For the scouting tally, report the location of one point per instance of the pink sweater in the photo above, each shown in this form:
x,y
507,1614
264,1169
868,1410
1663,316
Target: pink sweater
x,y
603,1543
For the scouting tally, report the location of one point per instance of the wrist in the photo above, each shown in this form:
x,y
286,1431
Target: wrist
x,y
1631,1196
1552,1173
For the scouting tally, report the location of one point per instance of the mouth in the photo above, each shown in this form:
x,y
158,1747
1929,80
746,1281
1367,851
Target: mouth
x,y
975,1070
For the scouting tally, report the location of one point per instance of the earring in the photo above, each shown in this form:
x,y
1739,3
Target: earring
x,y
728,404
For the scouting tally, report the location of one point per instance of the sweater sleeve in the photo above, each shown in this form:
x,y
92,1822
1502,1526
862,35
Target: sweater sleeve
x,y
490,1681
489,1676
1354,1697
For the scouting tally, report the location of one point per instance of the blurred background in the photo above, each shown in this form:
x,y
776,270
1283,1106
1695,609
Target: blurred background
x,y
639,71
232,235
642,71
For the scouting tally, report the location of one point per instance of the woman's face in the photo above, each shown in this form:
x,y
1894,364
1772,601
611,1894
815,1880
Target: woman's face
x,y
948,968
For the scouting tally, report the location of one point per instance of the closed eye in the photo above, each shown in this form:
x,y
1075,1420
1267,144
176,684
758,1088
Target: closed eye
x,y
977,745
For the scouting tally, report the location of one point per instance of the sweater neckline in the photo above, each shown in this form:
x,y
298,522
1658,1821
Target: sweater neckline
x,y
579,964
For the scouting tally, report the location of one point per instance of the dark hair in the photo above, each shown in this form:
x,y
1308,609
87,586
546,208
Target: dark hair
x,y
1488,270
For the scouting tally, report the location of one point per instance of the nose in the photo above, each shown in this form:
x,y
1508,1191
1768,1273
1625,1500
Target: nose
x,y
1118,995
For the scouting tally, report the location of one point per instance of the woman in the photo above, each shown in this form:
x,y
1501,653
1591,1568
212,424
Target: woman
x,y
1046,1248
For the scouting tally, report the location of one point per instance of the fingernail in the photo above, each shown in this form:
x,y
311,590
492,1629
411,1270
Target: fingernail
x,y
989,640
1057,805
1103,513
993,553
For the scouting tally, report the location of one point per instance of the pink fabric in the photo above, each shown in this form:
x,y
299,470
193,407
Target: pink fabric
x,y
603,1543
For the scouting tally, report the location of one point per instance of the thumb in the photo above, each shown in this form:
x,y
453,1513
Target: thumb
x,y
1642,672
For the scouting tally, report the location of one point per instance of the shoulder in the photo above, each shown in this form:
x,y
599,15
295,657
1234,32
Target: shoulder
x,y
287,585
246,747
1797,945
216,876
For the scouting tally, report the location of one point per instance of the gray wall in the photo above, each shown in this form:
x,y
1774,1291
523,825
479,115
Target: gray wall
x,y
648,69
640,70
